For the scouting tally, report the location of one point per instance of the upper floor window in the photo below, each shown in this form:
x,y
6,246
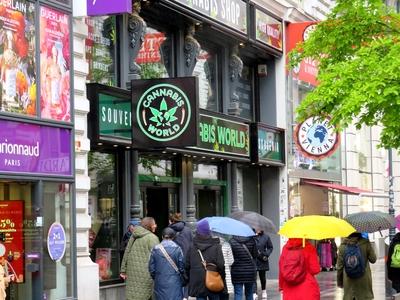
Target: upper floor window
x,y
241,100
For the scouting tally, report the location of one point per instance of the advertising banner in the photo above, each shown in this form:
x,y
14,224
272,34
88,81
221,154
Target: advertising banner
x,y
12,226
307,71
150,51
107,7
55,64
224,136
34,149
164,112
17,57
231,13
268,30
267,144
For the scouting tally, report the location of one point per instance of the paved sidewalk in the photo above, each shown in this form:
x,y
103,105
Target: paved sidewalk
x,y
329,289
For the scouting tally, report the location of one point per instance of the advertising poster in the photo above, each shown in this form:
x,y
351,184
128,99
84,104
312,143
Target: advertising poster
x,y
11,225
55,63
268,30
103,259
17,57
150,51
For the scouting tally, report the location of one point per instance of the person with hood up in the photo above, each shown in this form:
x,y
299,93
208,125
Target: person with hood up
x,y
243,270
393,267
167,267
264,250
134,266
356,288
183,233
306,266
211,251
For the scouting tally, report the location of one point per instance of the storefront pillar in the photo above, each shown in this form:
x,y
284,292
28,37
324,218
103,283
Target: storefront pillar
x,y
234,196
135,189
190,203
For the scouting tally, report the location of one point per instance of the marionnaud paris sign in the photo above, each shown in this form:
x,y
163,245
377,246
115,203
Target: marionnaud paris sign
x,y
164,112
316,138
107,7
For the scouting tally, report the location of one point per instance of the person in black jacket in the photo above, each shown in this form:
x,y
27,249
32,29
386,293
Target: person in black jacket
x,y
243,270
264,250
212,253
393,273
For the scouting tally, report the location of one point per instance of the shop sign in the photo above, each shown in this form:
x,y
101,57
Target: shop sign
x,y
12,229
150,51
110,115
56,241
316,138
232,13
107,7
222,135
164,112
35,149
268,30
268,144
307,70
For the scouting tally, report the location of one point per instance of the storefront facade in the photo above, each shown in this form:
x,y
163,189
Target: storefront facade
x,y
231,156
37,178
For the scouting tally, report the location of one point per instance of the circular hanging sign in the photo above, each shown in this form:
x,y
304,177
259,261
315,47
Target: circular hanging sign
x,y
56,242
308,30
316,138
163,112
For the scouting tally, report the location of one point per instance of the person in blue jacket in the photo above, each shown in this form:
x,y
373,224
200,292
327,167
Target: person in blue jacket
x,y
167,267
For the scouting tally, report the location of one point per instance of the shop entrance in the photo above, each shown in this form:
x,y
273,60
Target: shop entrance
x,y
158,203
208,202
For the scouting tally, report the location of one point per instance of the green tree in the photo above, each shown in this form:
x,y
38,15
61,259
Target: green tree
x,y
358,49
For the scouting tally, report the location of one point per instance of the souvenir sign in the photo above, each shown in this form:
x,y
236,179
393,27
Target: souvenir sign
x,y
316,138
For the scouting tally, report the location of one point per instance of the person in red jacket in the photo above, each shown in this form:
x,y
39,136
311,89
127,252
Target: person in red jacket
x,y
305,287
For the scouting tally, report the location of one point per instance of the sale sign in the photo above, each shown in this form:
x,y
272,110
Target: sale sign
x,y
11,225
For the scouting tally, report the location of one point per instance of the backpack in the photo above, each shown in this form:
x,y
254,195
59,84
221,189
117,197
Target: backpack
x,y
293,267
354,263
395,258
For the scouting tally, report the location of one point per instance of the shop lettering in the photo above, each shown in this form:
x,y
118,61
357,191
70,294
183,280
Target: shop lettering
x,y
164,132
116,116
210,133
54,165
230,11
54,16
12,162
163,93
19,149
269,145
15,5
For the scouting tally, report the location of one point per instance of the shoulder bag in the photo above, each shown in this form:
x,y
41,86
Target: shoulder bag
x,y
213,279
172,263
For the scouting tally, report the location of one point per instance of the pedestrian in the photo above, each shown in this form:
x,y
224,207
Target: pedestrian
x,y
210,249
228,259
127,235
167,267
353,269
393,262
298,265
264,250
134,266
183,237
243,270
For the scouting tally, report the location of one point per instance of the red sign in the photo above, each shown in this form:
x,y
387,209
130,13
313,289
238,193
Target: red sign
x,y
268,30
11,224
150,51
308,69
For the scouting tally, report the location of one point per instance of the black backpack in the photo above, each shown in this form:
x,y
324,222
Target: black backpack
x,y
354,263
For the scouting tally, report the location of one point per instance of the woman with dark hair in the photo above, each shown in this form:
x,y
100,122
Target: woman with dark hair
x,y
264,250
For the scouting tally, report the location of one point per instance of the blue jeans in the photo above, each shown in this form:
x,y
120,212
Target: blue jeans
x,y
248,290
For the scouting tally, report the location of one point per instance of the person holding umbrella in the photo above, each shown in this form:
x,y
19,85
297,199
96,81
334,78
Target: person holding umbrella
x,y
264,250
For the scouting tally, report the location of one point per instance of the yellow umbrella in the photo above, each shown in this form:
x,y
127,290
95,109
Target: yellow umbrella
x,y
316,227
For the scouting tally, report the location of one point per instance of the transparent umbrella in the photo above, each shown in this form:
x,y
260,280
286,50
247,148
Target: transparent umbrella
x,y
254,220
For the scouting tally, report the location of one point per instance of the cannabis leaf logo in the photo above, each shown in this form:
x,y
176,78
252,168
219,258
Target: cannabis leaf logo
x,y
163,116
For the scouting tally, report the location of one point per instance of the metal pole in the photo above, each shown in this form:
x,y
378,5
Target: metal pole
x,y
392,231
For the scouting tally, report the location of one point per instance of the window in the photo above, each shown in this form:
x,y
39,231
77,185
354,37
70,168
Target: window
x,y
244,92
155,55
100,50
104,233
206,71
154,166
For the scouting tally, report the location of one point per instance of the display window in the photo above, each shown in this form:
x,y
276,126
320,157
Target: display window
x,y
244,91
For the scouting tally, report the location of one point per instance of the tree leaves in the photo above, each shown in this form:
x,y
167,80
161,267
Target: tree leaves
x,y
359,68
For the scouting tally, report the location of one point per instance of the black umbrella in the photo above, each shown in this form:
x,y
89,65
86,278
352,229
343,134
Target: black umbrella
x,y
254,220
371,221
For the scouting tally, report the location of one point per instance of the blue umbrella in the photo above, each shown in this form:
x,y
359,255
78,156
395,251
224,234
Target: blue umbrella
x,y
229,226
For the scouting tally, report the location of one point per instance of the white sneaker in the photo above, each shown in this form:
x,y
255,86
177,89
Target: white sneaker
x,y
255,296
264,294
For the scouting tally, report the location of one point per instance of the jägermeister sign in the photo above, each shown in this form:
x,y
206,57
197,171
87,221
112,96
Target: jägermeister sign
x,y
110,117
222,135
164,112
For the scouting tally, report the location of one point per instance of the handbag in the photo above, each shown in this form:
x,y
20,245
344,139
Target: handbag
x,y
213,279
172,263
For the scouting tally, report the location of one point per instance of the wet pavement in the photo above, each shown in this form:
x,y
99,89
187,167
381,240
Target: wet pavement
x,y
329,289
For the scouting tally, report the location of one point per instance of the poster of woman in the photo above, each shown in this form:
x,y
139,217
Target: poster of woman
x,y
54,65
17,57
